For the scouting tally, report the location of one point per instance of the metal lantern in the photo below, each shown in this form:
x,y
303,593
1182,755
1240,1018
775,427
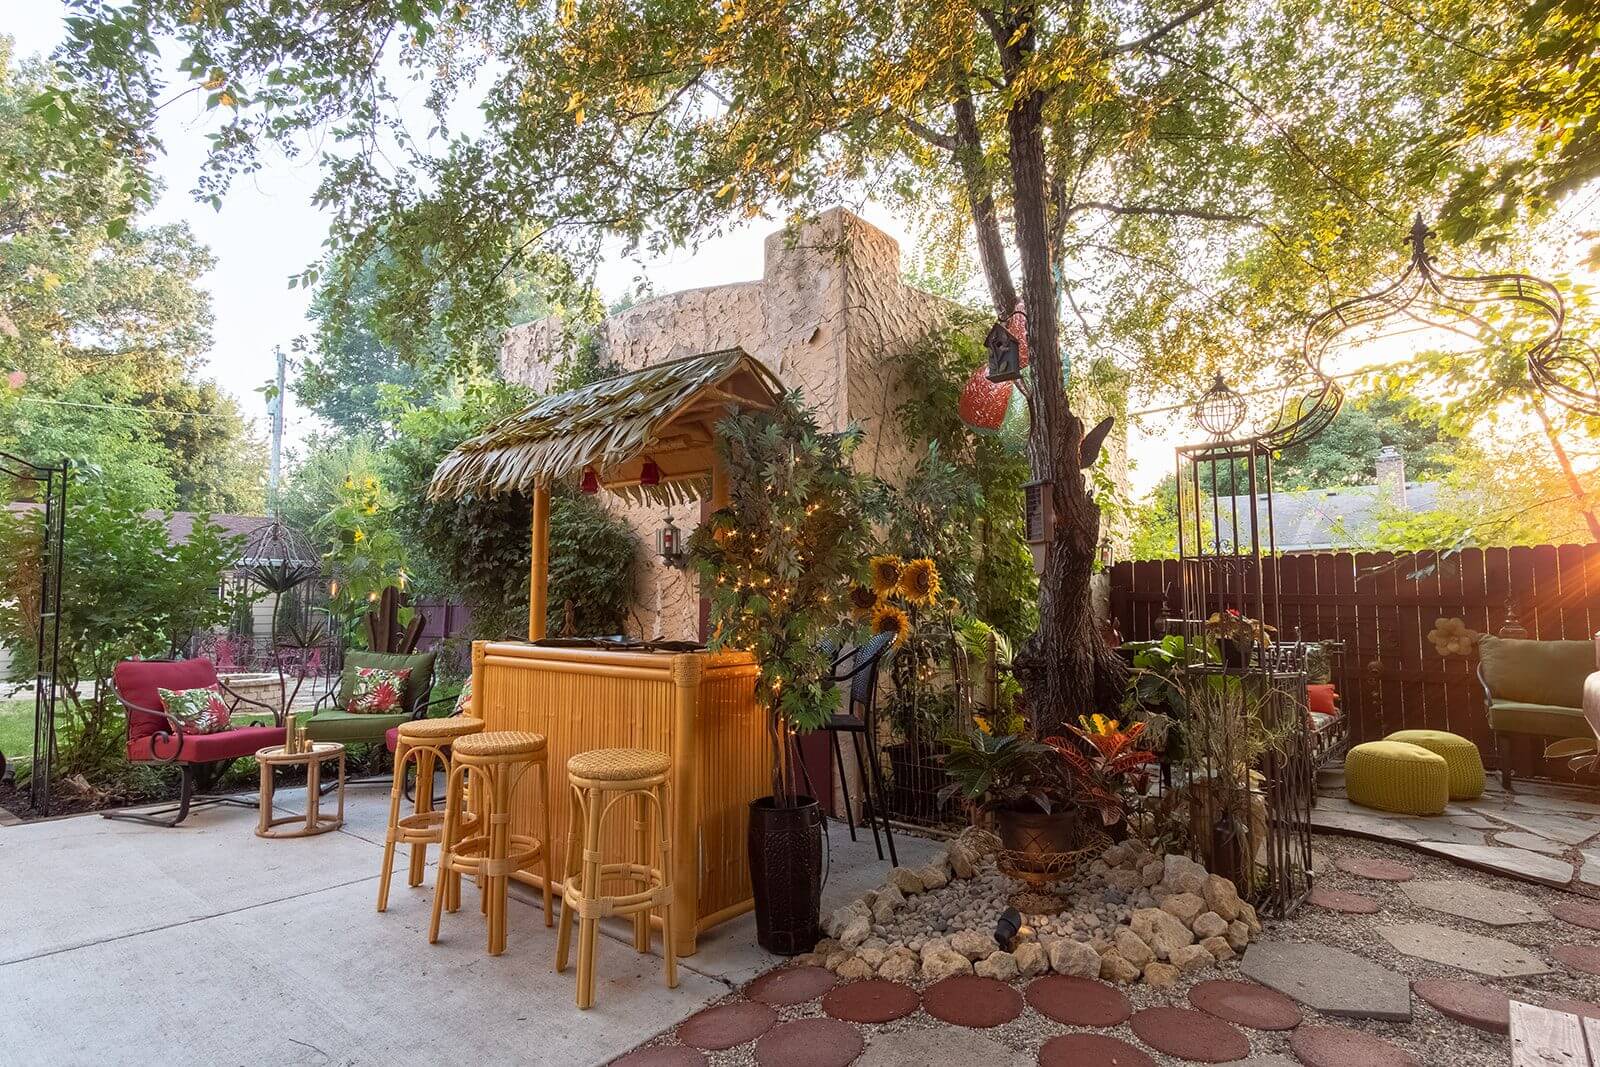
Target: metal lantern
x,y
1038,520
278,557
669,544
1108,553
1005,355
1220,410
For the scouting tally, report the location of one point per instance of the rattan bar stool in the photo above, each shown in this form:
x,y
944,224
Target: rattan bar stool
x,y
427,743
600,780
493,763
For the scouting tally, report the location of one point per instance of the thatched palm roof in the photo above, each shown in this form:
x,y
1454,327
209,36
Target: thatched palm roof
x,y
663,412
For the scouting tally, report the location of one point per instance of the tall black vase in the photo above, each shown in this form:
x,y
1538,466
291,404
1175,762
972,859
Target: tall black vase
x,y
785,847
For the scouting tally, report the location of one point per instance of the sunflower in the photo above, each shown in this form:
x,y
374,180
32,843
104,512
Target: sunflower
x,y
919,583
885,573
862,601
888,619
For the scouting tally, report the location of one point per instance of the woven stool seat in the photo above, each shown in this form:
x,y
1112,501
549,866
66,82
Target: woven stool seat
x,y
618,765
1396,776
499,744
1461,757
440,729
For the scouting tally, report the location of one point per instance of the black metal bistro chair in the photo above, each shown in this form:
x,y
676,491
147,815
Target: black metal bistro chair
x,y
858,717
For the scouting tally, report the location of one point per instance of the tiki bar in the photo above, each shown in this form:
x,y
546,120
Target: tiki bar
x,y
647,436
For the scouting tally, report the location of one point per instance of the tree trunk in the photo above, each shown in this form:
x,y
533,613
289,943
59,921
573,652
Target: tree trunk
x,y
1574,484
1065,668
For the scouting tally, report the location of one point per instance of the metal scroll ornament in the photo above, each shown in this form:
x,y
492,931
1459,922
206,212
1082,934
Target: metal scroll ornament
x,y
1563,368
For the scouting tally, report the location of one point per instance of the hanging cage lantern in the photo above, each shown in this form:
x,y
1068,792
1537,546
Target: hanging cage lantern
x,y
278,558
670,544
1220,410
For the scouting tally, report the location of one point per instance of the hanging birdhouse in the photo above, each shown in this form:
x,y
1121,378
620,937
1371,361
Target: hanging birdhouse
x,y
669,544
1038,520
1005,355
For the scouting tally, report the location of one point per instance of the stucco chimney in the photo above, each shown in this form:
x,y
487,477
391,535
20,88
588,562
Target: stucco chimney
x,y
1392,475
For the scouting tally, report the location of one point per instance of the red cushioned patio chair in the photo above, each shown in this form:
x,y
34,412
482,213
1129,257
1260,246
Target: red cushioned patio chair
x,y
155,737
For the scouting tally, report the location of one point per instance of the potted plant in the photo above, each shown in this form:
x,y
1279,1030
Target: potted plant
x,y
1020,786
1108,764
1237,635
773,561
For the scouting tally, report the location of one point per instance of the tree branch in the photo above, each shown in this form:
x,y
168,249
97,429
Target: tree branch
x,y
928,133
1162,30
968,155
1165,212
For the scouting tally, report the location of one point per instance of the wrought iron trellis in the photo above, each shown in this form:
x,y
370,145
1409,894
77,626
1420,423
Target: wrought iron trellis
x,y
49,482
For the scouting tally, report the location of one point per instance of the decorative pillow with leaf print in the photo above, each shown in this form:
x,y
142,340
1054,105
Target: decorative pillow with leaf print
x,y
378,691
198,711
464,698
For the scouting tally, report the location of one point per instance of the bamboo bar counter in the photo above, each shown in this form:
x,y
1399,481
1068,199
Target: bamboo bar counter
x,y
696,707
647,436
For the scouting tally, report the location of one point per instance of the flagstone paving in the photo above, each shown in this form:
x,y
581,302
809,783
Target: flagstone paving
x,y
1488,956
1467,900
1331,980
1517,862
1582,913
1531,842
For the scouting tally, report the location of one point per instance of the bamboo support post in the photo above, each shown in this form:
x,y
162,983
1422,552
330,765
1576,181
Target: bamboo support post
x,y
539,570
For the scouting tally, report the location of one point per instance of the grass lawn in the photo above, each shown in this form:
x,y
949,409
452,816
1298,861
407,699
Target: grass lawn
x,y
16,727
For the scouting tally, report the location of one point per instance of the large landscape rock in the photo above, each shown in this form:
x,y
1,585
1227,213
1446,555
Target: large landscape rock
x,y
1074,958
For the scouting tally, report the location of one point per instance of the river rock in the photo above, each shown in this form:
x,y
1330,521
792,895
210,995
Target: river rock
x,y
1222,897
1074,958
1132,947
1031,959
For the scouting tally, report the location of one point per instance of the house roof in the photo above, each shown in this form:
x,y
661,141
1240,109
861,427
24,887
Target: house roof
x,y
180,524
663,412
1315,520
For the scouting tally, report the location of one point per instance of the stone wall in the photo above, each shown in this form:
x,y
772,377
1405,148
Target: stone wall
x,y
828,317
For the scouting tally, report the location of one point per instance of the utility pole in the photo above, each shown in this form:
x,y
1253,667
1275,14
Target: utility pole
x,y
275,412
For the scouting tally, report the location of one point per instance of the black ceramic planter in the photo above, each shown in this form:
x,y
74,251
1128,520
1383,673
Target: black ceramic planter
x,y
786,874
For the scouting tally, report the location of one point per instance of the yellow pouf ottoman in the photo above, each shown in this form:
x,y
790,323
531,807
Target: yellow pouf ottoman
x,y
1460,756
1396,776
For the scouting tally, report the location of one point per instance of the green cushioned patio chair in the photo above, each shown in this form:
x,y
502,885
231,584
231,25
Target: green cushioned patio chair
x,y
1533,688
331,722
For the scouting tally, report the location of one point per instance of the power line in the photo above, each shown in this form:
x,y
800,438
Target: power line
x,y
127,407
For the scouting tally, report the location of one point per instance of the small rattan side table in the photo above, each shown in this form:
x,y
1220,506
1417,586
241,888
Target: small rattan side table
x,y
312,758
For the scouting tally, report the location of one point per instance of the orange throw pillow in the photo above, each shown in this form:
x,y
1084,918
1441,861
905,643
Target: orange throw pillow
x,y
1322,699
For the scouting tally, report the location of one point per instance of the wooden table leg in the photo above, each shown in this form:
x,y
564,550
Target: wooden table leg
x,y
341,787
264,823
313,788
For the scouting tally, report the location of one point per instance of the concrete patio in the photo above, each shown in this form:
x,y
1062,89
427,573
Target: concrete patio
x,y
207,945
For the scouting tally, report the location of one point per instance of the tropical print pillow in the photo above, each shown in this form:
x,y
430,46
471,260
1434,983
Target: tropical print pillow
x,y
464,698
198,711
378,691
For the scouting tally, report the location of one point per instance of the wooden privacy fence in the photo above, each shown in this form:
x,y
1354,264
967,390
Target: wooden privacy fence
x,y
1382,605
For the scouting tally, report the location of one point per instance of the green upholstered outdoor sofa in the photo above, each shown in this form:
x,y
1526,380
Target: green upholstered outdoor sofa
x,y
1533,689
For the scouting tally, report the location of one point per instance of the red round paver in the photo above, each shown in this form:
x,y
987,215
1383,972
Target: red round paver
x,y
791,985
1585,958
1582,913
726,1026
1247,1004
1336,1046
810,1042
1340,900
968,1000
872,1001
1381,870
1091,1050
1189,1035
1573,1007
1472,1003
1078,1001
662,1056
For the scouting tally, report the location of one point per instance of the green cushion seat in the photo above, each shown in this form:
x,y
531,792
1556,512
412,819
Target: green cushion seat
x,y
1546,720
340,725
